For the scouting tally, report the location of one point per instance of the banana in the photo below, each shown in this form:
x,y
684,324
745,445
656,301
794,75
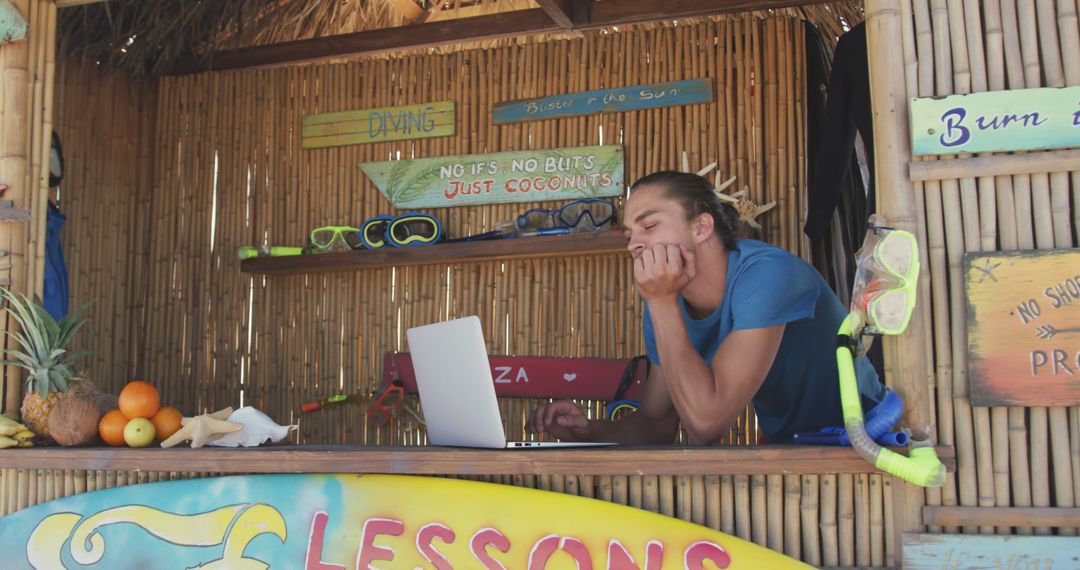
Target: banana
x,y
11,429
13,416
24,435
6,442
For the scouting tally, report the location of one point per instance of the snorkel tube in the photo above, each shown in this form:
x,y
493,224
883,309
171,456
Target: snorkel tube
x,y
923,467
884,296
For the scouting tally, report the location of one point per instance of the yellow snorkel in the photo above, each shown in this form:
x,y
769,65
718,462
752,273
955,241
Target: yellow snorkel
x,y
882,302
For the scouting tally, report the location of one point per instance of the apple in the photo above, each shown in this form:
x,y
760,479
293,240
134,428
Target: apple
x,y
139,432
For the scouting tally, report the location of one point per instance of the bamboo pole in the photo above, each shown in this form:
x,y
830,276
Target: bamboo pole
x,y
14,167
812,520
845,514
830,547
895,202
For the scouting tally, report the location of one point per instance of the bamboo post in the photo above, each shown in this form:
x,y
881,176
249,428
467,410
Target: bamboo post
x,y
14,168
895,202
830,546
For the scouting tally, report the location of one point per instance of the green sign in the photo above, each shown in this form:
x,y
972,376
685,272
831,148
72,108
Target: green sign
x,y
422,121
501,177
1022,119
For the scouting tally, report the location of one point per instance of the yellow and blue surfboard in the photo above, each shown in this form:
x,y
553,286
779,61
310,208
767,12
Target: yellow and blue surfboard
x,y
337,522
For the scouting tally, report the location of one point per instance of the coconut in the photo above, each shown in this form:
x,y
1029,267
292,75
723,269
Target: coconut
x,y
74,421
87,390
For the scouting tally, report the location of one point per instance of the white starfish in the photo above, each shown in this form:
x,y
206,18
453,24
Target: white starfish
x,y
748,209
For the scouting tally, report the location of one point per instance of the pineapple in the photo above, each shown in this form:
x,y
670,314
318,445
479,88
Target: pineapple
x,y
42,351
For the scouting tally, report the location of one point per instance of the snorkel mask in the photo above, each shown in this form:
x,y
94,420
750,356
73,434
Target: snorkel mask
x,y
882,302
888,271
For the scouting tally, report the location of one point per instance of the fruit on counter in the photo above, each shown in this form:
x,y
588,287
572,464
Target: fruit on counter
x,y
74,421
111,428
25,438
139,400
10,426
139,432
13,433
42,349
166,422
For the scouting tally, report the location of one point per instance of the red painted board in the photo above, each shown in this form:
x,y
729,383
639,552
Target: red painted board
x,y
540,376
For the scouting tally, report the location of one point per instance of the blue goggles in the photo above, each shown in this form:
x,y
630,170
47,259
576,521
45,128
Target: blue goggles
x,y
584,215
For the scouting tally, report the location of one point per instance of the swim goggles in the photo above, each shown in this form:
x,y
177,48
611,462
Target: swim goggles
x,y
584,215
333,238
885,284
408,229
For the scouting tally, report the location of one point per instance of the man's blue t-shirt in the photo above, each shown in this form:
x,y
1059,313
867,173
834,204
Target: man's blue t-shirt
x,y
768,286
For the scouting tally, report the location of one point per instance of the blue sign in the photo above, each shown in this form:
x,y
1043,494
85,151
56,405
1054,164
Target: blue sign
x,y
686,92
1020,119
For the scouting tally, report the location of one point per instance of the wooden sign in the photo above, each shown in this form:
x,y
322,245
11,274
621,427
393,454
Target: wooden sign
x,y
384,124
1024,327
501,177
684,92
339,521
540,376
12,24
990,552
1021,119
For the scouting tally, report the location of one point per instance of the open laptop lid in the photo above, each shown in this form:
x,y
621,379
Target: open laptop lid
x,y
457,392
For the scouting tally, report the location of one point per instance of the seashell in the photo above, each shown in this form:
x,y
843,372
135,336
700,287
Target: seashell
x,y
258,427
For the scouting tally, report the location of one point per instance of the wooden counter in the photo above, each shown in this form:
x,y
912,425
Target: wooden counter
x,y
666,460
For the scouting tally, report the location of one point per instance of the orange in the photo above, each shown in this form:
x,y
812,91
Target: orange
x,y
166,422
139,400
111,428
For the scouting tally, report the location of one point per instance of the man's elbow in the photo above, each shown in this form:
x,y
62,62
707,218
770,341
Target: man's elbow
x,y
704,430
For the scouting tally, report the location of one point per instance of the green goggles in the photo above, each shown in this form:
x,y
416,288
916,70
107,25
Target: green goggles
x,y
406,230
584,215
886,281
334,238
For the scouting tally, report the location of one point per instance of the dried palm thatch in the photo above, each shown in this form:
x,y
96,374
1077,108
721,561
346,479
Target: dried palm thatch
x,y
144,38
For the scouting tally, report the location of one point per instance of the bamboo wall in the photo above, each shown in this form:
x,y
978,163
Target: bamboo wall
x,y
1005,456
26,117
106,126
228,171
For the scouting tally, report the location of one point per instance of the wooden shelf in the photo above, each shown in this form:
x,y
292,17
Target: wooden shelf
x,y
541,246
424,460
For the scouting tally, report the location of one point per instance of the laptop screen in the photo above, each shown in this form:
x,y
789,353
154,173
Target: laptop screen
x,y
453,378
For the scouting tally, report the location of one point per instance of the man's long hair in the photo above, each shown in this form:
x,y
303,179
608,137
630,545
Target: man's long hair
x,y
697,196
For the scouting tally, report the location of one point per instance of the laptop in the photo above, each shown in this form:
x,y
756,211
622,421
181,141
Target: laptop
x,y
457,392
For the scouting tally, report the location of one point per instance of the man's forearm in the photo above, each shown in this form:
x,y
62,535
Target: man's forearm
x,y
634,429
694,391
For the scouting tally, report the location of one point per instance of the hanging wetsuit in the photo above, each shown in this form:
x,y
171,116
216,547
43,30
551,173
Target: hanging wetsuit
x,y
847,112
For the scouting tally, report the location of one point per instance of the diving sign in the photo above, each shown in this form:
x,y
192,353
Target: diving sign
x,y
384,124
1023,312
1020,119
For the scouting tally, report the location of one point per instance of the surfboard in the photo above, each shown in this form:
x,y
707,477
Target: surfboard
x,y
339,521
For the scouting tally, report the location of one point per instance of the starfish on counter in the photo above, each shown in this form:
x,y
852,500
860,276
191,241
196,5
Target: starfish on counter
x,y
204,428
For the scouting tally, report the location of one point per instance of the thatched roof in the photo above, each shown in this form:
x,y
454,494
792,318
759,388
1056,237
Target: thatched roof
x,y
142,37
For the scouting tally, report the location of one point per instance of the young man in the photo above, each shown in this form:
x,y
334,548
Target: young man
x,y
725,322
